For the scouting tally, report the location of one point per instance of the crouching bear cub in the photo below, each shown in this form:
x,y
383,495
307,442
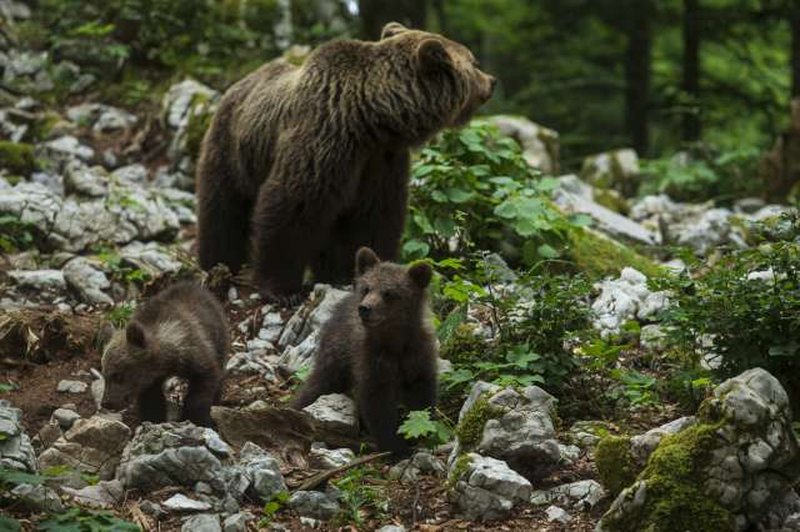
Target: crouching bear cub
x,y
379,343
312,162
181,332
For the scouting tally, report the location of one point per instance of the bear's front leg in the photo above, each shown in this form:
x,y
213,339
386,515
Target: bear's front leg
x,y
200,397
378,407
287,233
151,404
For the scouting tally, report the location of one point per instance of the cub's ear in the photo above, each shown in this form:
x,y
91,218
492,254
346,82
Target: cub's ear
x,y
365,259
421,274
104,335
136,335
391,29
431,54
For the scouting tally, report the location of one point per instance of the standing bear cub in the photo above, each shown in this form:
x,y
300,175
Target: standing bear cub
x,y
379,344
181,332
308,163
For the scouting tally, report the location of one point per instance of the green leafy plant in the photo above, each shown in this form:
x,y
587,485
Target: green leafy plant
x,y
120,269
703,175
15,235
361,492
634,387
82,520
532,324
472,188
418,425
272,507
739,319
121,313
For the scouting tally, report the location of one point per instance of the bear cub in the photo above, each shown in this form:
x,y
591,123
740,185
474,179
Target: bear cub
x,y
181,332
379,343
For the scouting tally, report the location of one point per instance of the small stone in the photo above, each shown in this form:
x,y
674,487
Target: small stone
x,y
104,494
557,514
313,504
335,409
182,503
69,386
236,522
153,509
202,523
65,418
38,498
392,528
325,458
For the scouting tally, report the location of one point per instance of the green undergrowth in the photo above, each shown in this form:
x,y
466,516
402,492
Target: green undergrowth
x,y
17,158
598,256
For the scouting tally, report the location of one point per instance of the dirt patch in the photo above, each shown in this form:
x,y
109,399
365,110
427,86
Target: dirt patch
x,y
45,334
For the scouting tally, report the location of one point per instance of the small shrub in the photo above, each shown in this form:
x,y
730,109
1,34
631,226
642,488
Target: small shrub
x,y
704,174
361,492
472,188
750,322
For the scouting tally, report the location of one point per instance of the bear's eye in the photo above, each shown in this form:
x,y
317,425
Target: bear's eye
x,y
364,290
390,295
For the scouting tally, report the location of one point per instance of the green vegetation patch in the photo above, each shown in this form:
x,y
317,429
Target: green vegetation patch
x,y
615,463
17,157
598,256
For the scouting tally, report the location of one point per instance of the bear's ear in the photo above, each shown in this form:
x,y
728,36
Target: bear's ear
x,y
136,335
421,274
432,55
365,259
391,29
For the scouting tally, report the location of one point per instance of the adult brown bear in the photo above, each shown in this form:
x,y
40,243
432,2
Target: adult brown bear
x,y
312,162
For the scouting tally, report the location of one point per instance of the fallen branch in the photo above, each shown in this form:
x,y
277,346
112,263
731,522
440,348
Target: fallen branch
x,y
323,477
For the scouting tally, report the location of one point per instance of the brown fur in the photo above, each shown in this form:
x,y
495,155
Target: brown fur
x,y
379,344
312,162
181,332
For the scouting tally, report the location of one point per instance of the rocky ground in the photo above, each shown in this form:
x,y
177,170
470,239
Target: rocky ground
x,y
106,216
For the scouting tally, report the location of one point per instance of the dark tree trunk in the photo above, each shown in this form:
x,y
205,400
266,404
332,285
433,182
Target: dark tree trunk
x,y
691,69
794,24
375,13
637,73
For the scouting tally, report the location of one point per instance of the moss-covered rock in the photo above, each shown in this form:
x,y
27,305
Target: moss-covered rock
x,y
470,428
17,157
599,256
675,498
615,463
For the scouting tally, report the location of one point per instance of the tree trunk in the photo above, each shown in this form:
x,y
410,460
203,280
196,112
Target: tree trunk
x,y
637,73
375,13
794,25
691,69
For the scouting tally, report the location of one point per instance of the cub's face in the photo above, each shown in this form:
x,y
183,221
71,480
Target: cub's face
x,y
388,293
439,58
125,367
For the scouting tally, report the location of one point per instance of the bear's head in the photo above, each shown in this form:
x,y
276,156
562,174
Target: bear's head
x,y
389,294
128,361
447,71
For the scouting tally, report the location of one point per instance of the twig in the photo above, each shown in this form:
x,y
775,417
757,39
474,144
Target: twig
x,y
320,478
